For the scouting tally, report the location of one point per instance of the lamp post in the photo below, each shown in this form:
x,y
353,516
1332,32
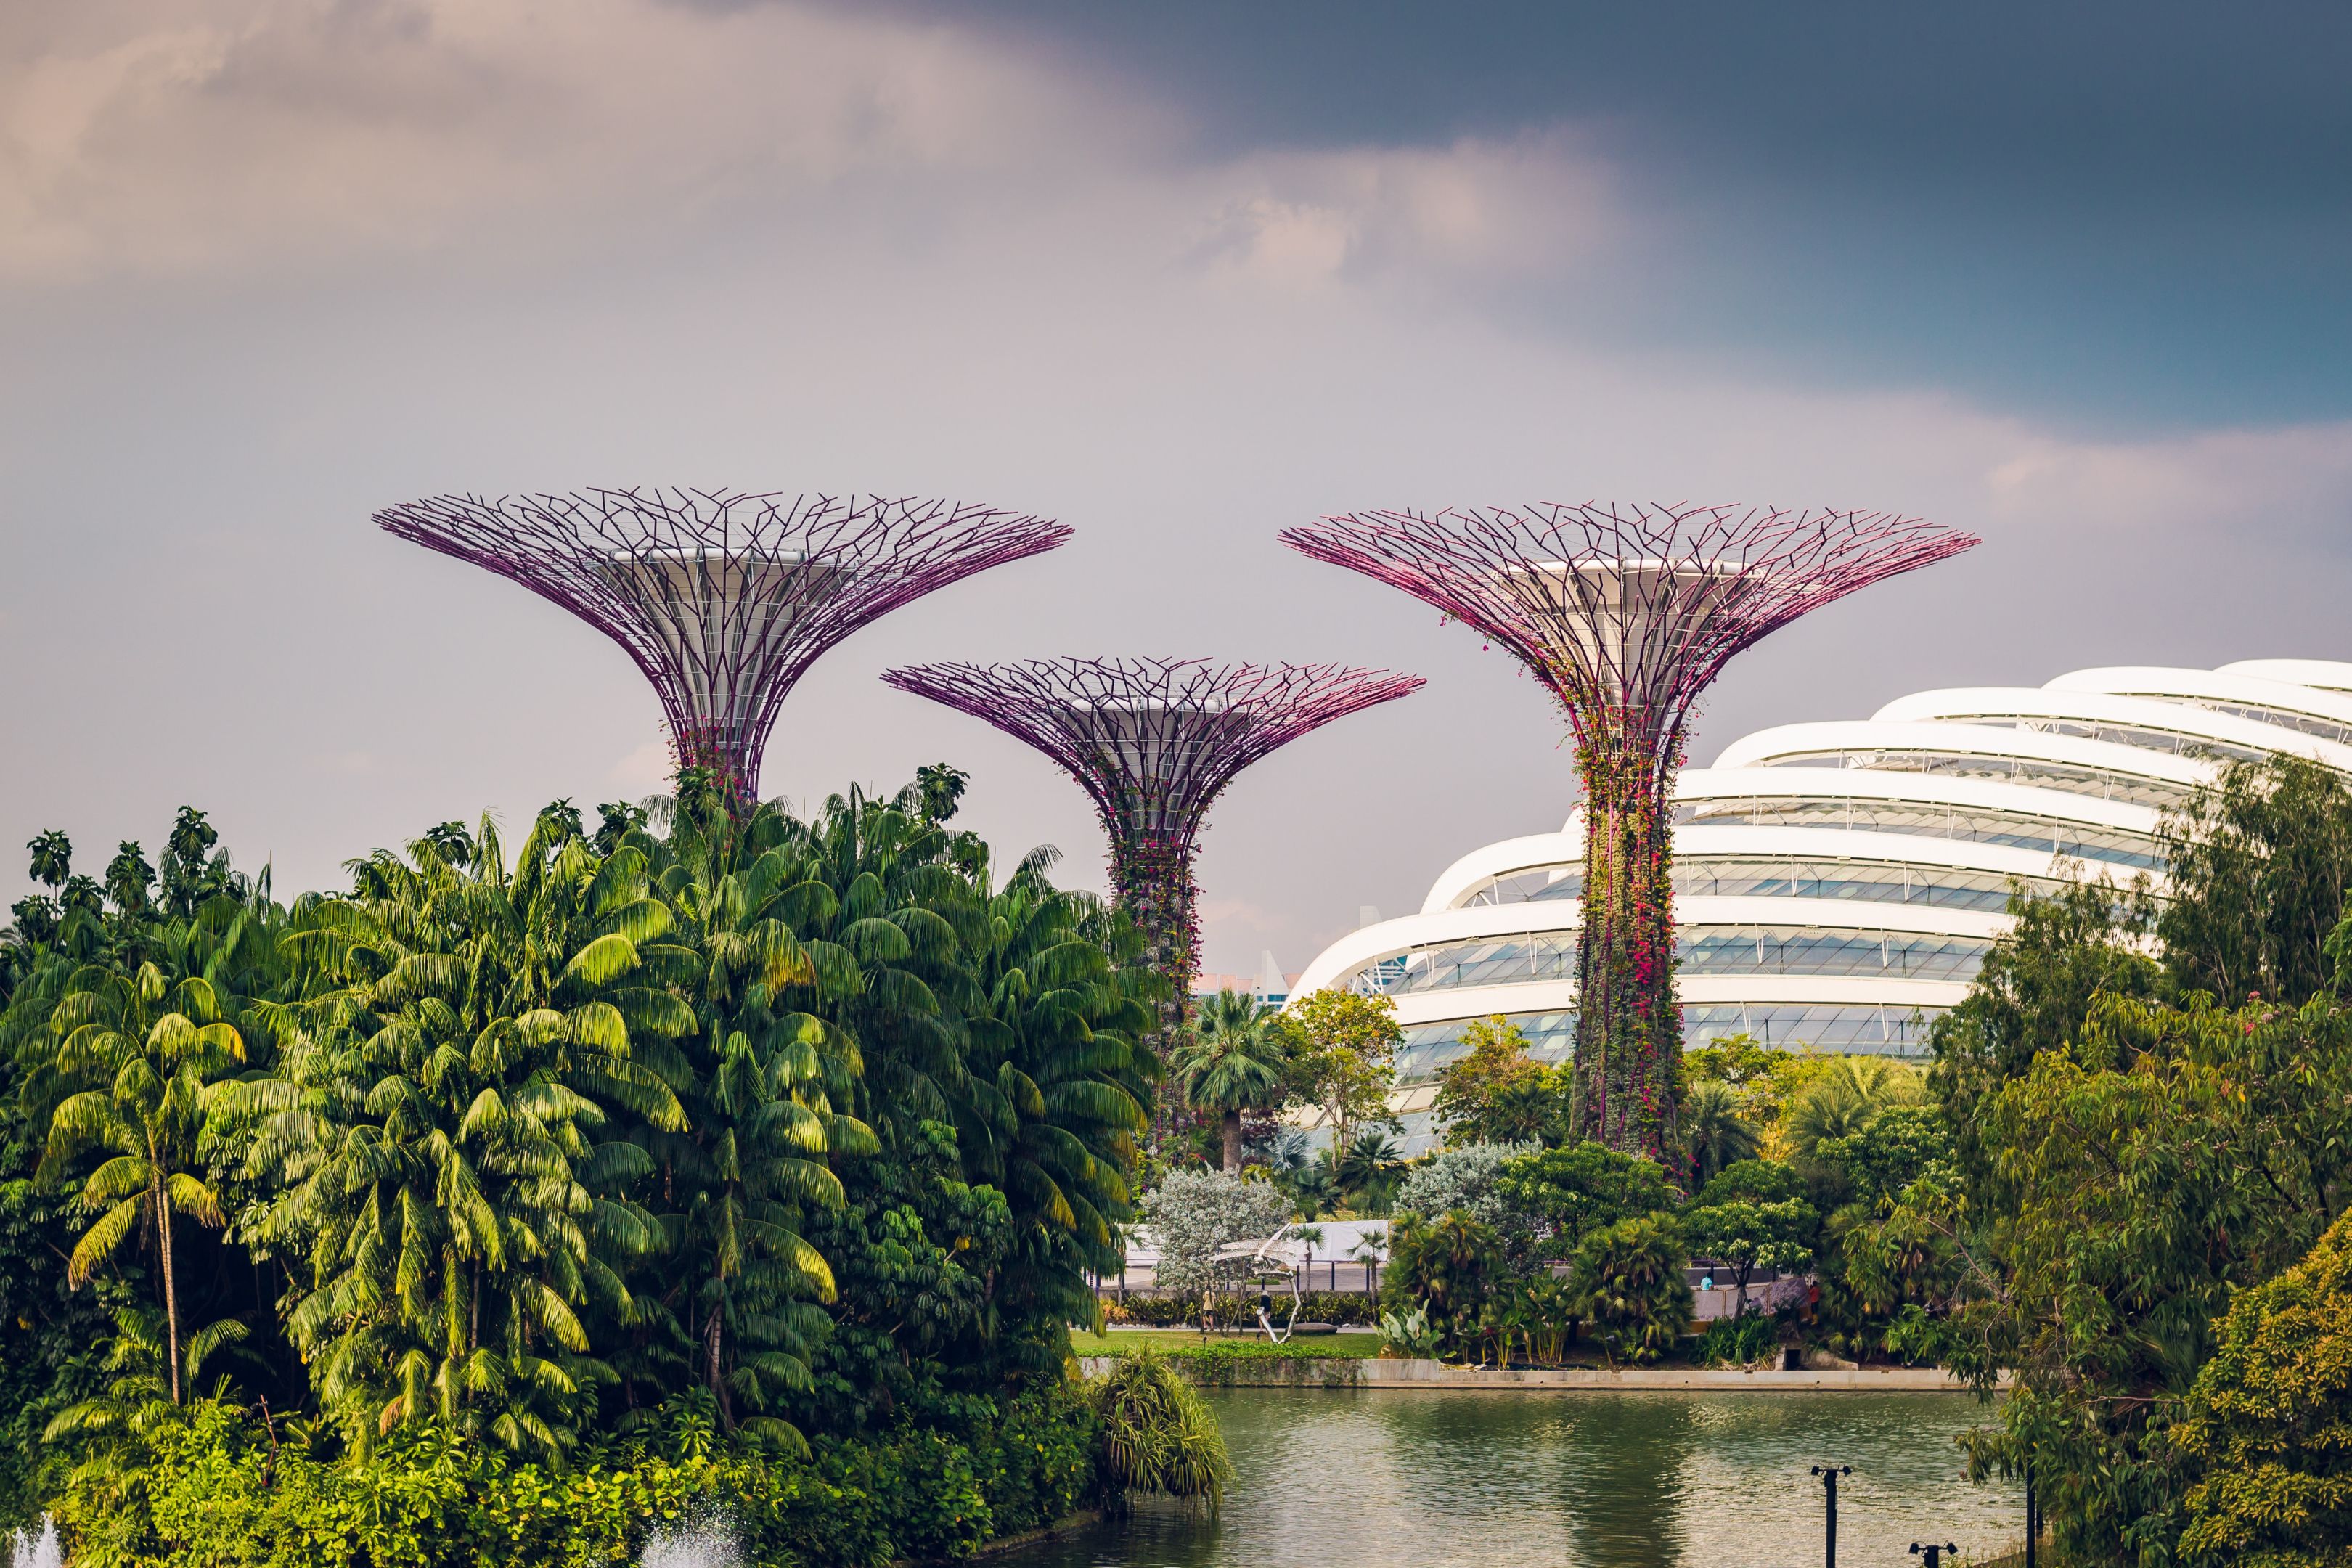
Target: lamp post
x,y
1934,1555
2032,1520
1829,1474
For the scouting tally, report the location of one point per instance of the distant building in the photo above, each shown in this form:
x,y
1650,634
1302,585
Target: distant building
x,y
1268,984
1839,884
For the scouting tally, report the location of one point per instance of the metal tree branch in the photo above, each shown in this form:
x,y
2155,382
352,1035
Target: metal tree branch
x,y
723,598
1627,613
1153,742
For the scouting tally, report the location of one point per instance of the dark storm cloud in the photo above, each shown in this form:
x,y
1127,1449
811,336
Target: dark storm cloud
x,y
1179,278
2124,215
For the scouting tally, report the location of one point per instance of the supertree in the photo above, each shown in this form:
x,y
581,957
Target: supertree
x,y
1153,741
1627,613
723,598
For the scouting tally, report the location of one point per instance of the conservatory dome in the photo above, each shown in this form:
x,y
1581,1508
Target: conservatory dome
x,y
1839,884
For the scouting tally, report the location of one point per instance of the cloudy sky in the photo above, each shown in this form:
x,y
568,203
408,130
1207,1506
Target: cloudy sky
x,y
2078,278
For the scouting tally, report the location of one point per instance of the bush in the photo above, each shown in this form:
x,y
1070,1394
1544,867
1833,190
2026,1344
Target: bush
x,y
1156,1436
1468,1179
1739,1342
1571,1192
1445,1267
2269,1421
1628,1282
1194,1213
214,1491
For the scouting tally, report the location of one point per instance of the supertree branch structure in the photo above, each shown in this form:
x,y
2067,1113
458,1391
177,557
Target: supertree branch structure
x,y
1153,742
1627,613
723,598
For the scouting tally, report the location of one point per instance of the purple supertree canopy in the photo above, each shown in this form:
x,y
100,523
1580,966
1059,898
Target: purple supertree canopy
x,y
723,598
1153,740
1627,612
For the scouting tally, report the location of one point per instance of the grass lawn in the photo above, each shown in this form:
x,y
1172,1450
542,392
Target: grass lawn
x,y
1188,1342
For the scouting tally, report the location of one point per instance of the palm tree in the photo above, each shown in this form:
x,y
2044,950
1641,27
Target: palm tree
x,y
1848,1096
1313,1186
1066,1083
460,1029
1714,1134
759,1081
1233,1062
160,1045
1369,1172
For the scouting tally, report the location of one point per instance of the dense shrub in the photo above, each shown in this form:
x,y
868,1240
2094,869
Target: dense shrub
x,y
1628,1282
1447,1267
2270,1419
216,1491
1739,1342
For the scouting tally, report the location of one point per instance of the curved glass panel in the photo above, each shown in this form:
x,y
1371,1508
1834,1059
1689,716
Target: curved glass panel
x,y
1805,949
1702,950
2100,783
2137,736
1770,877
2283,718
1853,1027
2017,830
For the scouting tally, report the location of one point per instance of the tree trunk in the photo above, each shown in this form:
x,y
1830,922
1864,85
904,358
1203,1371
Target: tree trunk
x,y
171,1288
1629,1025
712,1334
1233,1142
1152,877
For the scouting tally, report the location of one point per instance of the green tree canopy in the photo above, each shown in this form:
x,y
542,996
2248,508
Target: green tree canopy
x,y
1571,1192
1496,1093
2259,865
1344,1058
2269,1421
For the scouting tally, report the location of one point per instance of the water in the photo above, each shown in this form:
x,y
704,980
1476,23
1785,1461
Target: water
x,y
706,1539
28,1550
1371,1478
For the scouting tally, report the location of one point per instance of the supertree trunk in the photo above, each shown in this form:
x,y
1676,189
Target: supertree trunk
x,y
1629,1031
1627,612
1154,882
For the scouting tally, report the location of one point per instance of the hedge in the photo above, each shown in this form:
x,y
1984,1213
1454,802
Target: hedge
x,y
216,1493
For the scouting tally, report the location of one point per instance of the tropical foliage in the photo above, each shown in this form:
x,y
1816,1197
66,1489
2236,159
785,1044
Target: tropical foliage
x,y
1233,1062
799,1130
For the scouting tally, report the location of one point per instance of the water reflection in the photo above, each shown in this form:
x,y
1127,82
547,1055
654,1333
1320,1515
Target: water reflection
x,y
1381,1478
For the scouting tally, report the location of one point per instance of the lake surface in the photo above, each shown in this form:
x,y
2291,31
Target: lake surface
x,y
1369,1478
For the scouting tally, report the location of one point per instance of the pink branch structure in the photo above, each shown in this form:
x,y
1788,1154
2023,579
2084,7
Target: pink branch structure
x,y
1627,613
1153,742
723,598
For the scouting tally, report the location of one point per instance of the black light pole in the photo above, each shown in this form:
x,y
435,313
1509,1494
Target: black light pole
x,y
2032,1518
1829,1474
1934,1555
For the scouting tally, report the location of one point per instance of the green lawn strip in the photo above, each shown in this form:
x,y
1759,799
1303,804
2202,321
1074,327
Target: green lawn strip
x,y
1174,1342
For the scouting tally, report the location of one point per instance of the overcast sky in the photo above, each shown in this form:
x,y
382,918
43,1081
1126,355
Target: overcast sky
x,y
2078,278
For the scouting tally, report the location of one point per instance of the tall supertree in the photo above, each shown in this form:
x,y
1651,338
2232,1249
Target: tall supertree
x,y
1153,741
724,599
1627,613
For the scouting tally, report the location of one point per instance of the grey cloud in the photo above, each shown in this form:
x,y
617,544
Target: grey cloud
x,y
1077,312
